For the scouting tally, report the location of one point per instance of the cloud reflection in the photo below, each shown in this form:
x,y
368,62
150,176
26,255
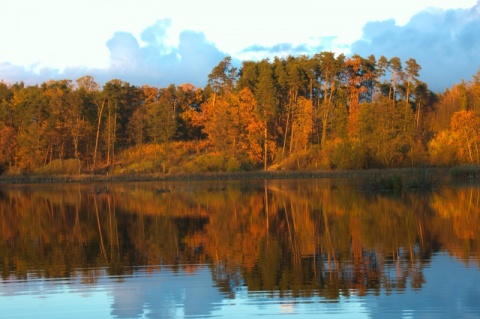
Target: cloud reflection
x,y
166,294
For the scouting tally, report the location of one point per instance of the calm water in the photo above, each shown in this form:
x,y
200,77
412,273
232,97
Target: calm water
x,y
302,248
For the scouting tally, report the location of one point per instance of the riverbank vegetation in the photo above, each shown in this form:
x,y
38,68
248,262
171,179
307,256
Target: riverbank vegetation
x,y
318,113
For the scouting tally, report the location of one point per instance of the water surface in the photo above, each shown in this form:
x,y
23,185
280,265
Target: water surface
x,y
242,249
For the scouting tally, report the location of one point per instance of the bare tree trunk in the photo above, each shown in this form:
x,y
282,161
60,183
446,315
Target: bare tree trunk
x,y
265,146
98,134
114,137
417,117
286,131
324,125
291,139
109,132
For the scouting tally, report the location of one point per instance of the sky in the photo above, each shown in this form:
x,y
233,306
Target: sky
x,y
162,42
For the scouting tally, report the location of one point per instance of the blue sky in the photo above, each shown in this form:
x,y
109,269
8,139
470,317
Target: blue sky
x,y
163,42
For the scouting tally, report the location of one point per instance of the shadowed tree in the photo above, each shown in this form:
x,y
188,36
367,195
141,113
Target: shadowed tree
x,y
265,94
248,76
161,125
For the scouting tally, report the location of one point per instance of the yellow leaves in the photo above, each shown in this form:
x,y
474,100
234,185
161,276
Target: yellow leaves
x,y
7,144
466,125
442,149
150,94
53,92
233,124
302,125
461,142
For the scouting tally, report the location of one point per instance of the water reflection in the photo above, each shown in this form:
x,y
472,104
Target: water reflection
x,y
202,246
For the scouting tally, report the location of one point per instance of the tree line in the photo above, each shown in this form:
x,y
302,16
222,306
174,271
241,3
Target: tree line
x,y
324,111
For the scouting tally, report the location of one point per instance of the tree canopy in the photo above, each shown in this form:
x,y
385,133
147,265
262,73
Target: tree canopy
x,y
324,111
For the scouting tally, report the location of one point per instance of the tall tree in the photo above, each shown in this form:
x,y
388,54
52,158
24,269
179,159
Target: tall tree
x,y
396,75
92,109
223,77
161,125
330,76
121,100
302,124
265,94
355,78
75,123
412,70
248,75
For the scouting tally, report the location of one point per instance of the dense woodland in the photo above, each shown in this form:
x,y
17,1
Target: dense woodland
x,y
296,113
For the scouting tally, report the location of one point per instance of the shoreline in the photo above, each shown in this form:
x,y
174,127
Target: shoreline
x,y
429,173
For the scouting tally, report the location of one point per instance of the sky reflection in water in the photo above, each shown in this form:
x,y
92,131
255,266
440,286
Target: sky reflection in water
x,y
169,294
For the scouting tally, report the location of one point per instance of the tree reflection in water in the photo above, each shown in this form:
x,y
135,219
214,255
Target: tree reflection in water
x,y
286,237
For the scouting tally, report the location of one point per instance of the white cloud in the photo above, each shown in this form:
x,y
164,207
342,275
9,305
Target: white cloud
x,y
59,33
154,62
163,38
444,43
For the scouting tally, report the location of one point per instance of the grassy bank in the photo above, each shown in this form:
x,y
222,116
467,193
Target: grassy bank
x,y
376,178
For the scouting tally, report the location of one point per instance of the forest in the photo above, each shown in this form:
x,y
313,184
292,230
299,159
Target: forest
x,y
321,112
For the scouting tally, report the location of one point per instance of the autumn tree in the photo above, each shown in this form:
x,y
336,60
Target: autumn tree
x,y
251,127
76,124
189,100
222,78
396,75
465,125
138,123
412,70
383,133
248,76
7,130
302,124
330,72
161,121
265,95
221,123
8,137
121,99
355,78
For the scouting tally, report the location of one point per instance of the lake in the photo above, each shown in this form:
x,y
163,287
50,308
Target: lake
x,y
305,248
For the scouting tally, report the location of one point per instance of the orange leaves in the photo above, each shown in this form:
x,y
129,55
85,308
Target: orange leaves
x,y
302,125
466,125
461,142
7,145
233,125
150,94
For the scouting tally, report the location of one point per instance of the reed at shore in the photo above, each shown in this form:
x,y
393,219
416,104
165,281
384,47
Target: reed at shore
x,y
408,177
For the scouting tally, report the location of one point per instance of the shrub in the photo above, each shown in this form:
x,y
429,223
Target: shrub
x,y
212,162
60,167
442,149
233,165
348,155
